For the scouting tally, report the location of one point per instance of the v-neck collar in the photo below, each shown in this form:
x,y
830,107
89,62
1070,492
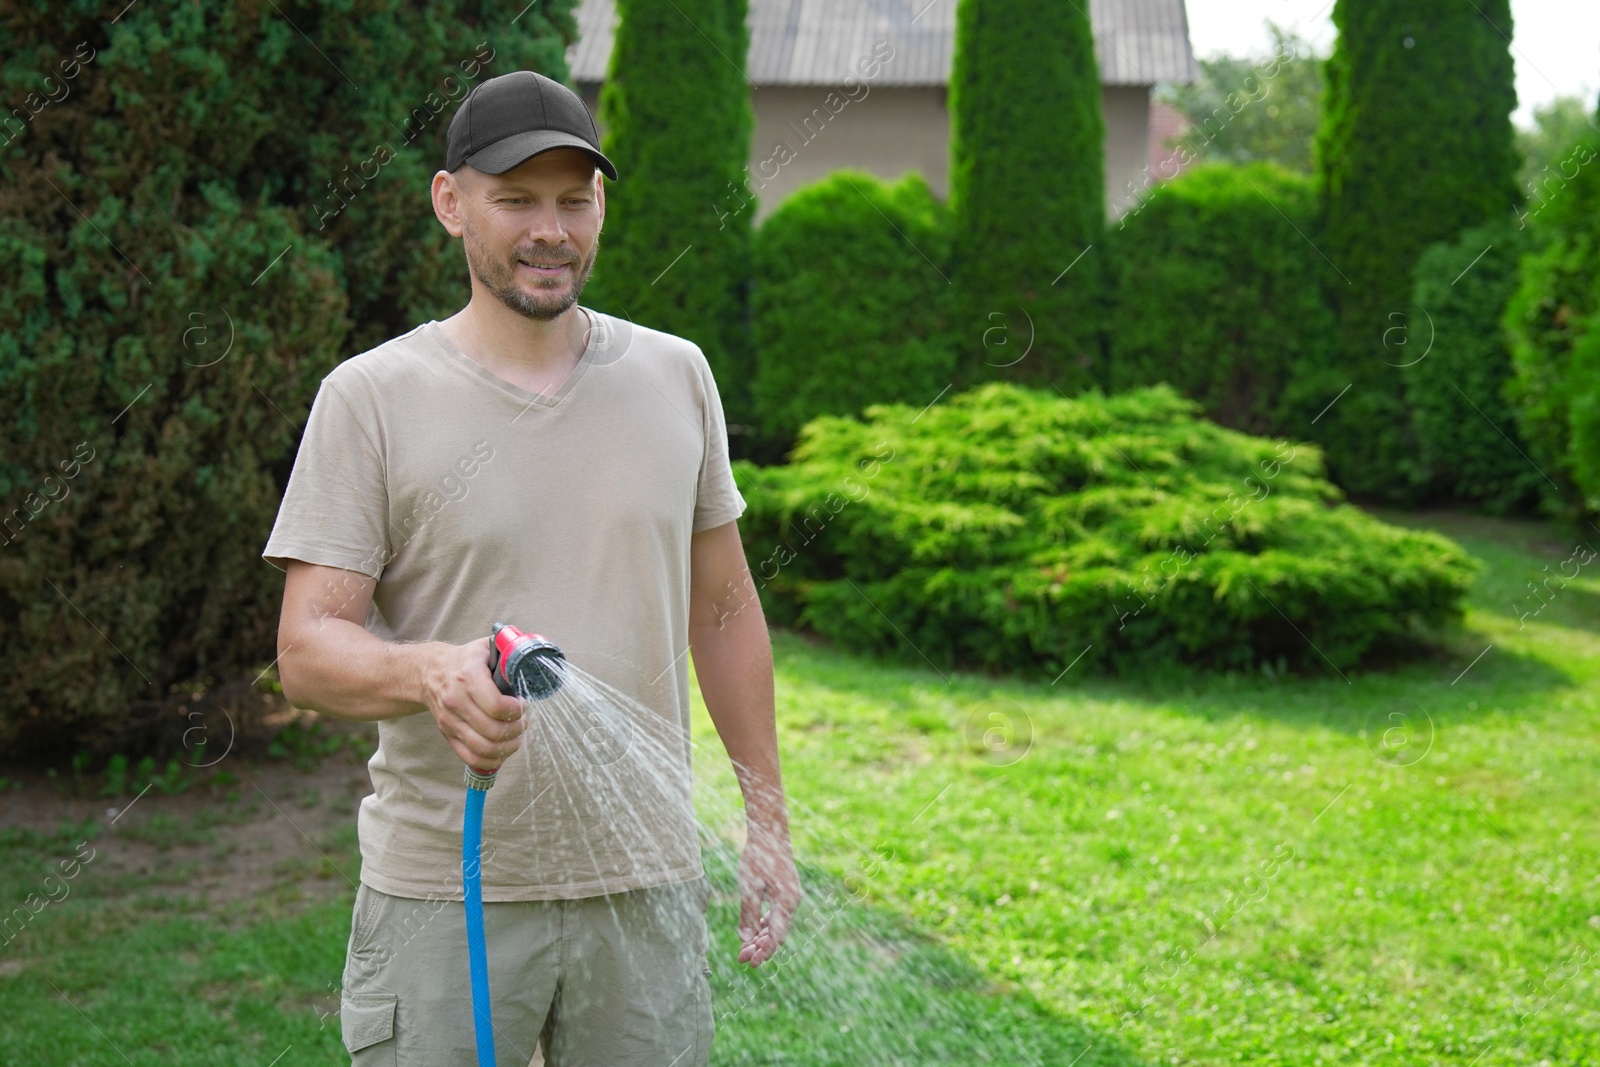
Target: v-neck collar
x,y
523,396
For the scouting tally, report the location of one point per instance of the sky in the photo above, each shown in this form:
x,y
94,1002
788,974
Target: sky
x,y
1555,43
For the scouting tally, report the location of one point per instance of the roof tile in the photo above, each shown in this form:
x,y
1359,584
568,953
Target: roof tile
x,y
819,42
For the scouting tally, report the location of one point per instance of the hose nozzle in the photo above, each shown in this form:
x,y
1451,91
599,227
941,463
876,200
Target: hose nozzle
x,y
523,664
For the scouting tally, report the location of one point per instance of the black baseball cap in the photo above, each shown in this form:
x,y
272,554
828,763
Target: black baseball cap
x,y
515,116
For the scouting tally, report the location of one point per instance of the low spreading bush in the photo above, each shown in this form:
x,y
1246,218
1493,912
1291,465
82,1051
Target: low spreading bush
x,y
1019,529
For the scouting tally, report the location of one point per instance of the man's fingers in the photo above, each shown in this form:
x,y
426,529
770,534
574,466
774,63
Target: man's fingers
x,y
749,911
487,741
759,951
762,935
481,755
487,735
472,758
779,918
488,698
487,711
482,724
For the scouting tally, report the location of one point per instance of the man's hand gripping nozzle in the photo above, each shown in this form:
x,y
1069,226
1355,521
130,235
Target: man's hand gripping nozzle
x,y
522,665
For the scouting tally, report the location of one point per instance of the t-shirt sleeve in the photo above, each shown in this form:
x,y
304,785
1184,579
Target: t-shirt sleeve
x,y
717,500
335,508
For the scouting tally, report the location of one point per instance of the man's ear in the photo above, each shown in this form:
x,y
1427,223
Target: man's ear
x,y
449,193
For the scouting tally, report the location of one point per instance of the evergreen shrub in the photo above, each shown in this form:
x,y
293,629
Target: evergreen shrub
x,y
202,216
849,302
1219,295
1458,371
1416,145
1027,186
1017,529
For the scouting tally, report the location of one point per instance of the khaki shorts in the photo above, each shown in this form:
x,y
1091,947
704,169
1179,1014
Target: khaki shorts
x,y
607,981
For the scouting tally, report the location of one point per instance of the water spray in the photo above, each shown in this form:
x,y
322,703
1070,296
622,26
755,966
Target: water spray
x,y
522,665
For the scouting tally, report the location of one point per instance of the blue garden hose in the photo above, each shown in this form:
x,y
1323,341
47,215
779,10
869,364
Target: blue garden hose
x,y
472,882
525,665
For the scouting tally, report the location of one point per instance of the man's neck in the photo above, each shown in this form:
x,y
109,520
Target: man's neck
x,y
534,354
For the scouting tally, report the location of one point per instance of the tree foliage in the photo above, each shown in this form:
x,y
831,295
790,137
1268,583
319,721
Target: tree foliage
x,y
676,110
1255,109
1015,528
1027,188
1558,127
205,209
848,304
1415,146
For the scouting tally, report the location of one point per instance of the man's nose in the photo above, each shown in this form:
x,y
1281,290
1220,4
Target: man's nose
x,y
544,224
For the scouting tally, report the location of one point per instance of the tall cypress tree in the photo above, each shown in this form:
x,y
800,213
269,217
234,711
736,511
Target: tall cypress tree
x,y
678,124
1415,146
1027,187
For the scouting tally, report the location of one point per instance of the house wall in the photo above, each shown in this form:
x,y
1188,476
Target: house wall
x,y
804,132
1127,112
887,131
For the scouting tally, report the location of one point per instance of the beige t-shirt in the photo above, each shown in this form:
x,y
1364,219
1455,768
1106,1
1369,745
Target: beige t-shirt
x,y
473,501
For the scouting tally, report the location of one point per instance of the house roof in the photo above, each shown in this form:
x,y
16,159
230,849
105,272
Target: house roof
x,y
819,42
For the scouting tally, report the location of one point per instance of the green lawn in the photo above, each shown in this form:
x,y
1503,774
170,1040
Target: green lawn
x,y
1395,867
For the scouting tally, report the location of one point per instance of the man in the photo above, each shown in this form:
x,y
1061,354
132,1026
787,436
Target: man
x,y
532,462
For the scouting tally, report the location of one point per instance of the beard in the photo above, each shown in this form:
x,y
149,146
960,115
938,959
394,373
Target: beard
x,y
552,296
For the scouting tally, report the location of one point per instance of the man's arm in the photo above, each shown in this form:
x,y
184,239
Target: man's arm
x,y
733,661
329,662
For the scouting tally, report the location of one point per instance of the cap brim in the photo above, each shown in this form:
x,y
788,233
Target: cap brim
x,y
509,152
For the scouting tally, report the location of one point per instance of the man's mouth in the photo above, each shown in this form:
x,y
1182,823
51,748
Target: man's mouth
x,y
544,268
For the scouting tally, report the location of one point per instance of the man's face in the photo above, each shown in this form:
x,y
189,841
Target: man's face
x,y
532,233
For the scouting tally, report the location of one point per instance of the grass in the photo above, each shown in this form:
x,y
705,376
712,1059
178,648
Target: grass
x,y
1393,867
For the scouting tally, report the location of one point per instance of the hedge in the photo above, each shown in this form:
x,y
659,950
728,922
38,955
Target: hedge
x,y
1550,320
1456,368
1219,295
848,303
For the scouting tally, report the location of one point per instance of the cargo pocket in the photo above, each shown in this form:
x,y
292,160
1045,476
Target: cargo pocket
x,y
364,918
367,1020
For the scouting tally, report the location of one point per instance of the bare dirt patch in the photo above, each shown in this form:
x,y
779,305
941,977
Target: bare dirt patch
x,y
276,827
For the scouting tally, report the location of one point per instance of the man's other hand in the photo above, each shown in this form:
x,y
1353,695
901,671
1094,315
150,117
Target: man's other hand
x,y
766,875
